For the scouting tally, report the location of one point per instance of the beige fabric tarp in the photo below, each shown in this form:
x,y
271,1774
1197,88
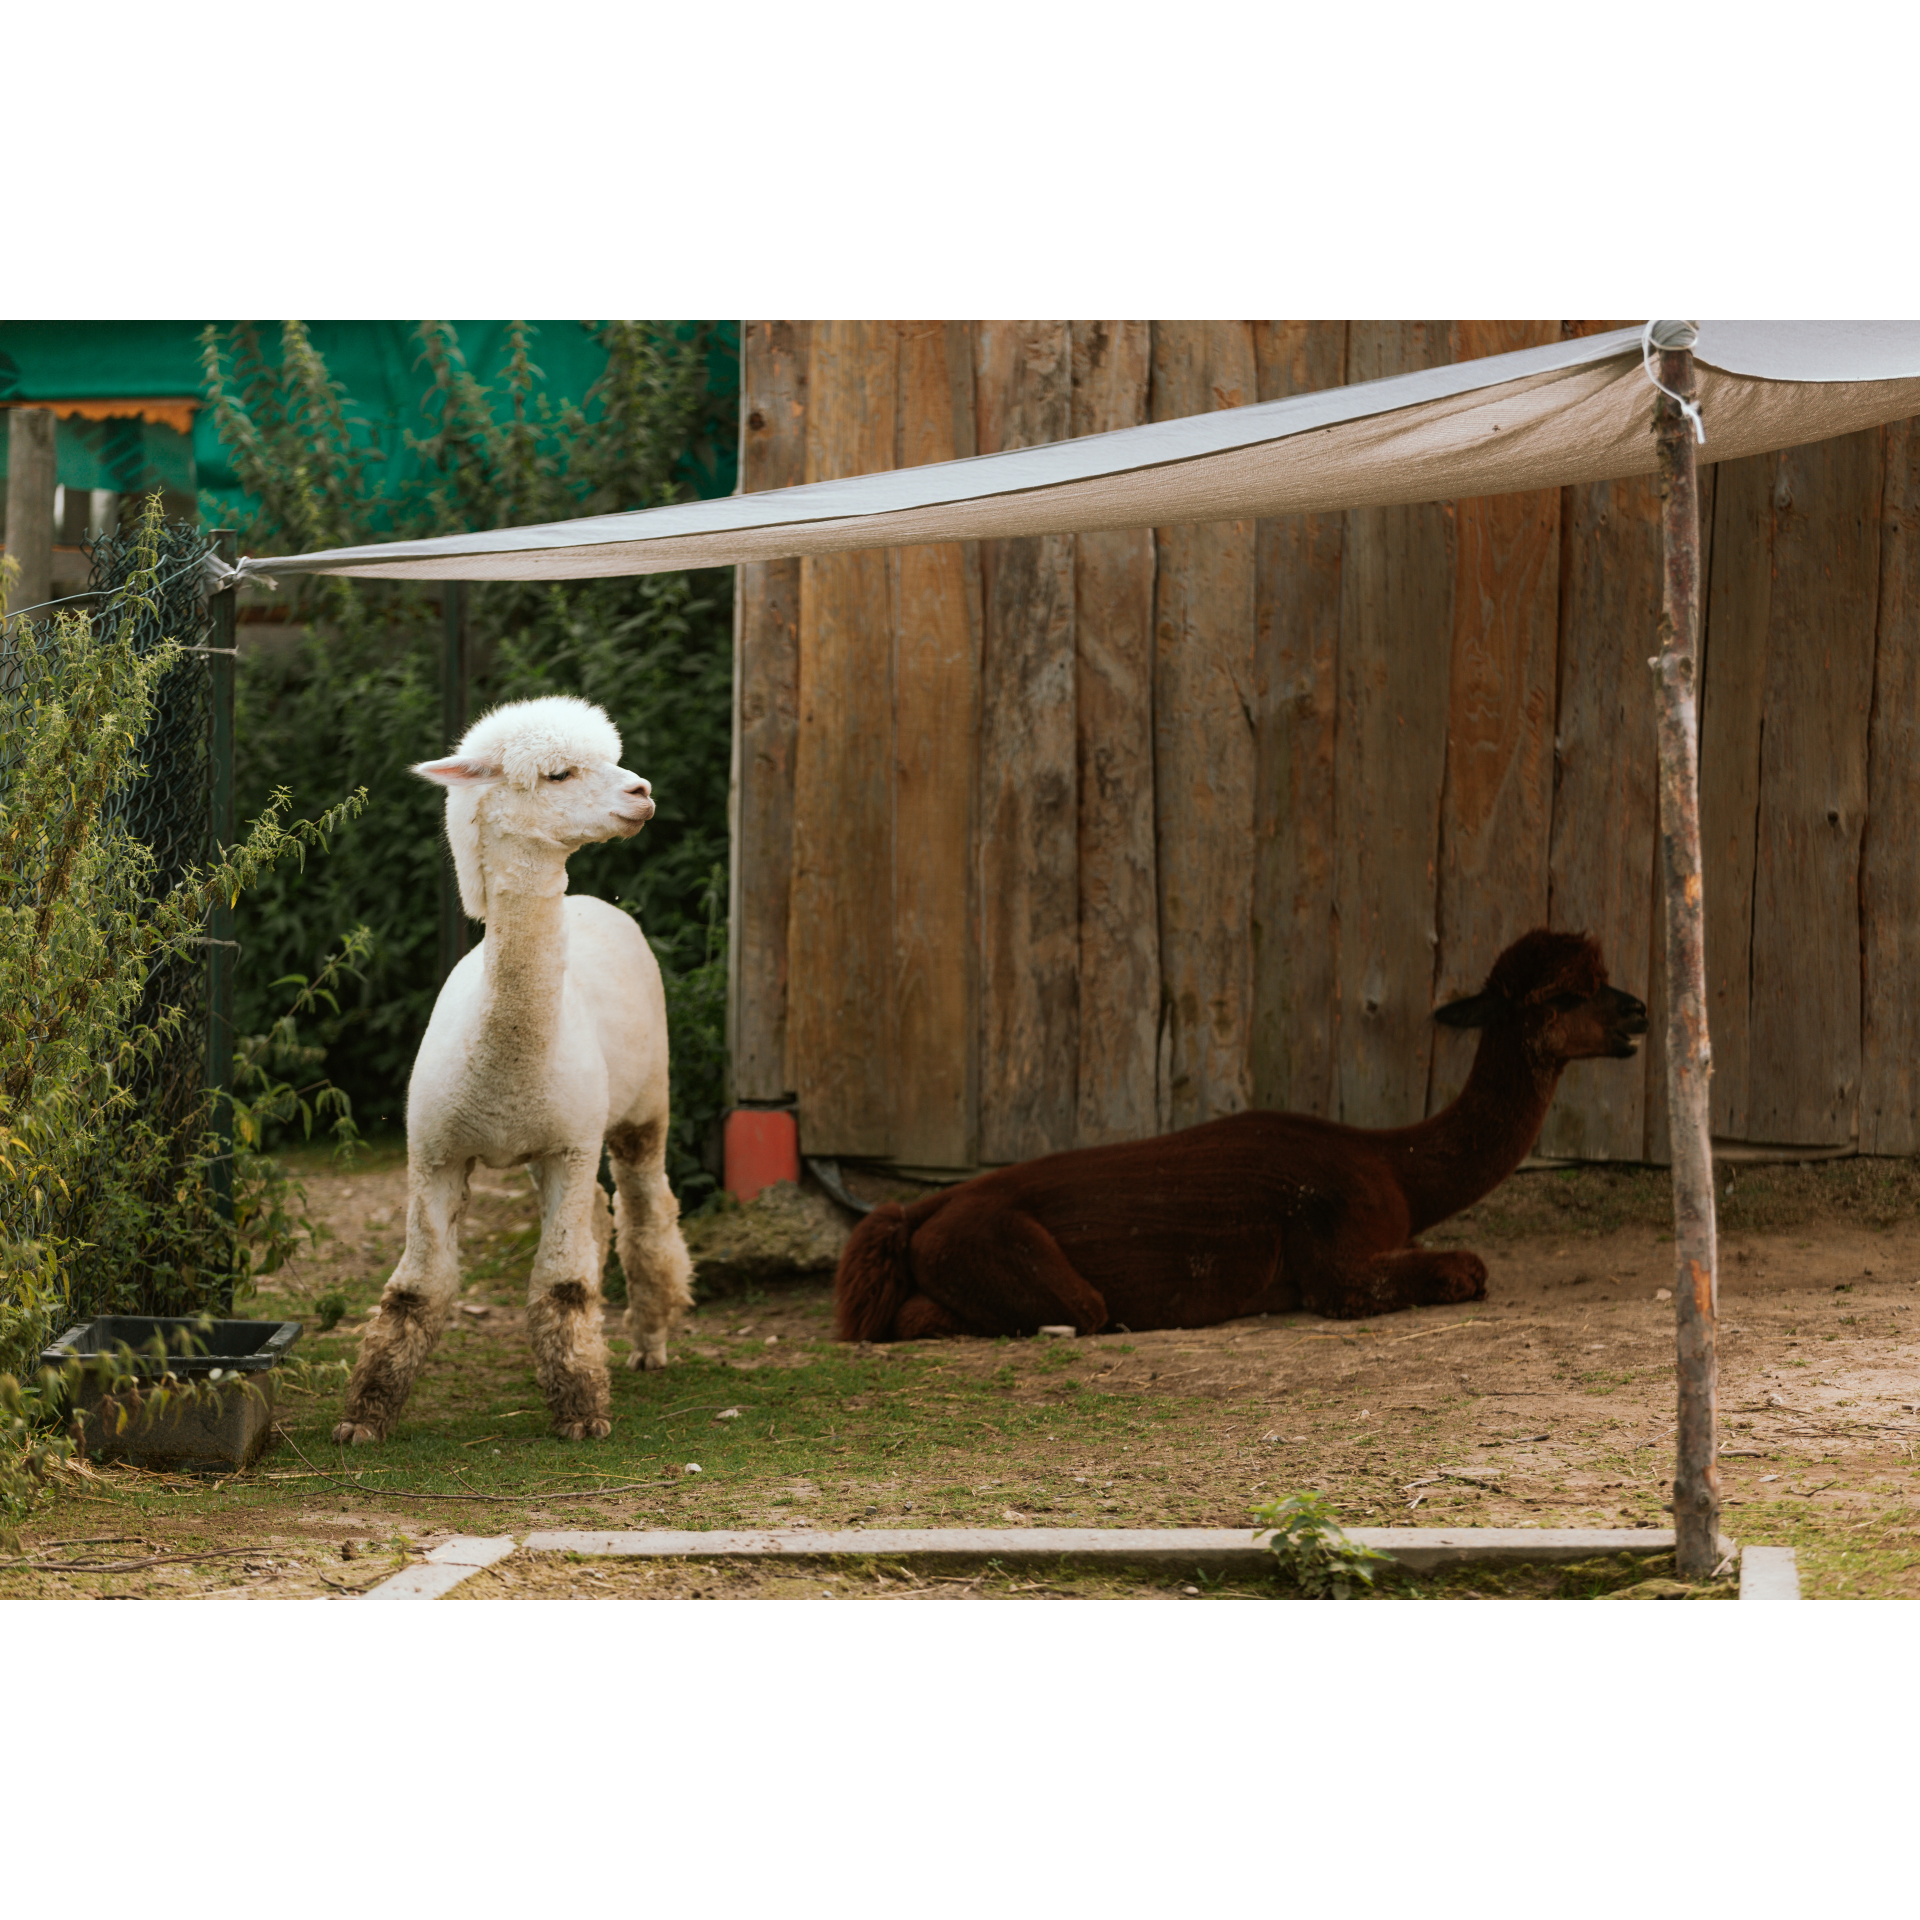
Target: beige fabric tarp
x,y
1547,417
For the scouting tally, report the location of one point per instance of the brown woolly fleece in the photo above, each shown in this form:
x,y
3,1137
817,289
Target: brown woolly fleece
x,y
1254,1213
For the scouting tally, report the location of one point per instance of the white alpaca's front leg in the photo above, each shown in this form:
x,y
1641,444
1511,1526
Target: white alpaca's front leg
x,y
413,1307
563,1295
653,1256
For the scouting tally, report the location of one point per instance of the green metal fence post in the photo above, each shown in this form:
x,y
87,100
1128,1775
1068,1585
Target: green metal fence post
x,y
221,952
453,723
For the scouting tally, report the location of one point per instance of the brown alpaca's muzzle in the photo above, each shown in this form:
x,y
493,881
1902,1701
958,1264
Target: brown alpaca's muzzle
x,y
1628,1019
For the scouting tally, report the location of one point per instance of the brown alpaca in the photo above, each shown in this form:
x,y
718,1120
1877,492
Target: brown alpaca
x,y
1255,1213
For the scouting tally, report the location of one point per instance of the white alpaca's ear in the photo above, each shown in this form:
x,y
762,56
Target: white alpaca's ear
x,y
458,770
465,779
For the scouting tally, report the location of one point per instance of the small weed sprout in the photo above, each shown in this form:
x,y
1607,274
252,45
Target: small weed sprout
x,y
1314,1558
303,1376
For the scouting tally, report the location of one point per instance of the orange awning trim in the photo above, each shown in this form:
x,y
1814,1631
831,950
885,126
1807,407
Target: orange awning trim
x,y
177,414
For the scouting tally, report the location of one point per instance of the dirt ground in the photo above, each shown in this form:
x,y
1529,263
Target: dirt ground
x,y
1548,1404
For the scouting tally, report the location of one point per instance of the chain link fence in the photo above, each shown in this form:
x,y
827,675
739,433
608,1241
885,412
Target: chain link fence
x,y
168,806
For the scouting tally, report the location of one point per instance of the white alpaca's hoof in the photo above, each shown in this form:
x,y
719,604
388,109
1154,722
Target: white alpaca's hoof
x,y
350,1433
585,1430
647,1359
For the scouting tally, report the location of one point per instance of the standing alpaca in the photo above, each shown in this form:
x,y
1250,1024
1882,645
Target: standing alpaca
x,y
1255,1213
548,1040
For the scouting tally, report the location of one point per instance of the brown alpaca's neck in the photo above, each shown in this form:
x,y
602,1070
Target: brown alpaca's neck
x,y
1468,1148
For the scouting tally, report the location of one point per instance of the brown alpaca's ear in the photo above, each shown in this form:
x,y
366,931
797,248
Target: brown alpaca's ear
x,y
1475,1011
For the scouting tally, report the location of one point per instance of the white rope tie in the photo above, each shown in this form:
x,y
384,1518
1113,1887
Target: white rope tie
x,y
221,577
1672,336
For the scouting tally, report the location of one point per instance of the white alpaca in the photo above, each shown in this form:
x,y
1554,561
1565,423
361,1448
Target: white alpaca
x,y
547,1040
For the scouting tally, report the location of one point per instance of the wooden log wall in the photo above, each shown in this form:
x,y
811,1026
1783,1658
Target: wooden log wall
x,y
1074,839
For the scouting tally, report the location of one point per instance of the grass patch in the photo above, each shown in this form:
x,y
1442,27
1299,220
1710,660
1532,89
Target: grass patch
x,y
838,1435
1505,1414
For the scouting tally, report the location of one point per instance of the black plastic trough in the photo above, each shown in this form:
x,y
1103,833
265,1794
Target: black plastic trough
x,y
233,1346
222,1419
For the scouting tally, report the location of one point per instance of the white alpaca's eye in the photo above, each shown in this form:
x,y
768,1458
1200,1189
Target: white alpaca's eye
x,y
566,775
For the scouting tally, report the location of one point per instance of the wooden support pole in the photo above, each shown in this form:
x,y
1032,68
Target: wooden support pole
x,y
453,724
1696,1484
30,483
221,952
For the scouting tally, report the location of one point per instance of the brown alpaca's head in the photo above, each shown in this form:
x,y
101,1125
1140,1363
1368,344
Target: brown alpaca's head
x,y
1552,988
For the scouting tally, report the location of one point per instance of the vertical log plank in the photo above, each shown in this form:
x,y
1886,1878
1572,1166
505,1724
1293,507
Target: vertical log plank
x,y
1739,596
1659,1147
773,452
1605,794
1496,804
31,474
1605,878
935,730
1113,695
1890,861
1804,1072
1204,750
840,922
1396,641
1029,822
1295,921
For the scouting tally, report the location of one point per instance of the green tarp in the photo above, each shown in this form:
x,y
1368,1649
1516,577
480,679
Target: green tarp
x,y
121,455
377,361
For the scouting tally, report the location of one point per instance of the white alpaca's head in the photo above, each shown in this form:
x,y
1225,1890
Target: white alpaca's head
x,y
545,772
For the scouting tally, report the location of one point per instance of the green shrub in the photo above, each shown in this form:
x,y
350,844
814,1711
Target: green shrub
x,y
354,698
265,1109
104,1194
1312,1556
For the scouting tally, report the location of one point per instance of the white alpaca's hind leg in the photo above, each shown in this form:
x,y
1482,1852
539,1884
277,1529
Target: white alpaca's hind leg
x,y
563,1296
414,1306
647,1237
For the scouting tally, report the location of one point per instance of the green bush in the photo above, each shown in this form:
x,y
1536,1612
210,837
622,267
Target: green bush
x,y
354,698
104,1193
1312,1556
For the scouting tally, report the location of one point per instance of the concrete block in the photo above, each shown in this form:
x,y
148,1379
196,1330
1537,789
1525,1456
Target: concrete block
x,y
929,1546
1769,1573
443,1569
1423,1549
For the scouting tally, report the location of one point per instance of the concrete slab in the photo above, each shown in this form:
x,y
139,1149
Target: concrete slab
x,y
1769,1573
1422,1549
443,1569
1419,1549
929,1546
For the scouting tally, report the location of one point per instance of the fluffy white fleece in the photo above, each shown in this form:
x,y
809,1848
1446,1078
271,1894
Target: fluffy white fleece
x,y
549,1040
518,745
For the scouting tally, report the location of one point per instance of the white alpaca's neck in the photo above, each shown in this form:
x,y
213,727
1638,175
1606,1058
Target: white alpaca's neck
x,y
525,960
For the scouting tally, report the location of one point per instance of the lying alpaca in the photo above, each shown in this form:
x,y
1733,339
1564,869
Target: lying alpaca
x,y
547,1040
1255,1213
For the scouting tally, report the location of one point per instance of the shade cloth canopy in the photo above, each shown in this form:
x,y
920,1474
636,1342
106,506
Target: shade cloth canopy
x,y
1549,416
